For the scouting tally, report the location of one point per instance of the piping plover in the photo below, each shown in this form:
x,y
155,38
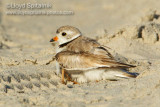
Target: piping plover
x,y
85,59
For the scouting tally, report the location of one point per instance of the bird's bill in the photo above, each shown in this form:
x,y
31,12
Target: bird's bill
x,y
54,39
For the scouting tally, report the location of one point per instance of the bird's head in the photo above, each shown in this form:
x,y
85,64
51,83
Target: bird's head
x,y
66,34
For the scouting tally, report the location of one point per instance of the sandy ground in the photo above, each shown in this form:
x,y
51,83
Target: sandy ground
x,y
27,67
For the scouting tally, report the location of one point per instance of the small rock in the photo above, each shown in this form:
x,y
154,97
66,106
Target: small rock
x,y
70,86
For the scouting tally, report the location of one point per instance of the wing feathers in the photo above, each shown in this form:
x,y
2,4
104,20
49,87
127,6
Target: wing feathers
x,y
85,61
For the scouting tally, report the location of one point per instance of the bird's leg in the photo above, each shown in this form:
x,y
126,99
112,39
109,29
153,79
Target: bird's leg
x,y
69,78
97,80
74,82
67,75
63,76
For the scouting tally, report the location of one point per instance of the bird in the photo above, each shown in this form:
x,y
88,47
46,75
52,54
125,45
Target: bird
x,y
81,59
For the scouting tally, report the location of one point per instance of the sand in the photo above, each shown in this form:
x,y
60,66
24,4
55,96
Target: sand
x,y
27,65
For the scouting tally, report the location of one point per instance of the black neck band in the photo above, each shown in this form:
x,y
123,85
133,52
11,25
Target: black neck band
x,y
64,44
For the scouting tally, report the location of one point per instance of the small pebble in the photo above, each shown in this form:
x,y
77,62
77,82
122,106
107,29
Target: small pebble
x,y
70,86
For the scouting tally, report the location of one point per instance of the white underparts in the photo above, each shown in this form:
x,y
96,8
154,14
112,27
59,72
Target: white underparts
x,y
99,74
57,64
57,68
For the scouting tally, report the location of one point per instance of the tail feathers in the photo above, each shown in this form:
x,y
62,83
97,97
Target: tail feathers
x,y
117,74
129,74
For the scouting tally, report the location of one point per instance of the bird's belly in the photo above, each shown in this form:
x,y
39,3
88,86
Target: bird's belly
x,y
94,75
101,74
88,76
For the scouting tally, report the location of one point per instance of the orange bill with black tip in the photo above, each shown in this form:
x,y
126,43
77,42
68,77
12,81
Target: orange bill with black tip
x,y
54,39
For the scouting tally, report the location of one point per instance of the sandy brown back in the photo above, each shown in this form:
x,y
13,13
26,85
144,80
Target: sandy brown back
x,y
84,44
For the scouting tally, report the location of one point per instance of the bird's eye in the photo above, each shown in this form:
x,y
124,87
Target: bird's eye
x,y
64,34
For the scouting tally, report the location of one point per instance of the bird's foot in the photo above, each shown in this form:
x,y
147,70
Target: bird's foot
x,y
74,82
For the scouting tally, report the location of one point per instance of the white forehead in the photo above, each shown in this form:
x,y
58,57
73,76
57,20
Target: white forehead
x,y
69,31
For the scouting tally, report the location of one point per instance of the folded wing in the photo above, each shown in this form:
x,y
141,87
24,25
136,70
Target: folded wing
x,y
85,61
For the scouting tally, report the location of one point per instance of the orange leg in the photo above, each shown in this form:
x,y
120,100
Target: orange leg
x,y
68,77
74,82
97,80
